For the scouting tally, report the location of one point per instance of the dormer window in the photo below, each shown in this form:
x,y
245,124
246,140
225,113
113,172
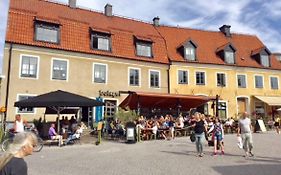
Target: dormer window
x,y
189,53
143,46
101,40
188,50
227,53
47,32
262,56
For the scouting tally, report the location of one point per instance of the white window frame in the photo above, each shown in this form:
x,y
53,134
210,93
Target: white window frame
x,y
149,72
67,71
38,67
272,76
93,73
245,80
225,76
226,105
129,68
262,81
206,82
187,77
17,109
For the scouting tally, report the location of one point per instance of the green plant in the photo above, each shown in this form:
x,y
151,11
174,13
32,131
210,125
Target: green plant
x,y
1,133
126,115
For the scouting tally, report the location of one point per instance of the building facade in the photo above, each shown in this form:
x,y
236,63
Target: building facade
x,y
51,46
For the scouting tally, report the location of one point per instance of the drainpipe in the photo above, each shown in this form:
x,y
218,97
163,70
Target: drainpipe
x,y
168,78
8,82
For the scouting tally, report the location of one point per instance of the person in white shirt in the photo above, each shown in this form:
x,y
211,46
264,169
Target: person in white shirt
x,y
19,124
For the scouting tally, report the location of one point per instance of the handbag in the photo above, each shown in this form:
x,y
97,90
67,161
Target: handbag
x,y
192,136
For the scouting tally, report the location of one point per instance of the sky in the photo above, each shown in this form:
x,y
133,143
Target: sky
x,y
256,17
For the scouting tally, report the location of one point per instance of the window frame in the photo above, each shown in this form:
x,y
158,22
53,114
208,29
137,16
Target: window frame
x,y
262,57
205,78
187,77
139,70
37,67
255,85
226,109
245,75
159,78
104,36
233,58
67,69
49,26
270,84
106,73
25,113
144,43
225,79
188,56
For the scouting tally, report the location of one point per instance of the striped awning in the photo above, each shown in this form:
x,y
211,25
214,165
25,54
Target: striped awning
x,y
270,100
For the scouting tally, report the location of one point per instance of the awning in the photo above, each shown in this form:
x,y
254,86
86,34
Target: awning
x,y
163,101
64,111
270,100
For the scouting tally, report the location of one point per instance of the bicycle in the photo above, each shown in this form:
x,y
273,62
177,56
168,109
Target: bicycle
x,y
9,135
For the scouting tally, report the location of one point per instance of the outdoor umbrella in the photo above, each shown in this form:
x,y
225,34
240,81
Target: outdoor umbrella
x,y
58,101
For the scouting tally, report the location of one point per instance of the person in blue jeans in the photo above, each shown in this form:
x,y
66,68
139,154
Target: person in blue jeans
x,y
200,128
218,135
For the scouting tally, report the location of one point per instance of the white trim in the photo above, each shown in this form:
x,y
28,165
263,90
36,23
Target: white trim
x,y
274,76
206,82
117,104
247,103
93,73
67,69
149,77
37,68
245,80
225,76
177,74
30,95
129,68
262,81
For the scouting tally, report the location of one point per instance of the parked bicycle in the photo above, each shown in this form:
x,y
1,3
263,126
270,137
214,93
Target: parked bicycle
x,y
9,136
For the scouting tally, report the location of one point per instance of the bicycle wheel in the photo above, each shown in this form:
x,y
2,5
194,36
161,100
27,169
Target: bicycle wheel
x,y
39,146
5,144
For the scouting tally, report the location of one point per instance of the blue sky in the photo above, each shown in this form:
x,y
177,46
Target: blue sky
x,y
255,17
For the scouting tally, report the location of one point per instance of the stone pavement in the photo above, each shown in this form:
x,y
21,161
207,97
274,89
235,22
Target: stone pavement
x,y
158,157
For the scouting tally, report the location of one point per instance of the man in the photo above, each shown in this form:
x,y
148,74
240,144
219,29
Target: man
x,y
19,124
245,129
53,134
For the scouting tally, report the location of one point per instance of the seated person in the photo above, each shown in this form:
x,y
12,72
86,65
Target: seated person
x,y
53,134
76,135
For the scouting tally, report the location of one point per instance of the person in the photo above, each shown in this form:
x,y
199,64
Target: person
x,y
19,124
277,124
76,135
12,162
218,135
53,134
199,128
245,129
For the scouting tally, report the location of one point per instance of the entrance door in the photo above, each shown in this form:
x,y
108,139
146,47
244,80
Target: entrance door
x,y
241,102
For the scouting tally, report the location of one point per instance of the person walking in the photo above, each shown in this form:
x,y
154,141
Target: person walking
x,y
245,129
217,135
12,162
199,128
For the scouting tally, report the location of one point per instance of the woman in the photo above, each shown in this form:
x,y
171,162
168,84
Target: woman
x,y
12,162
277,124
200,128
218,135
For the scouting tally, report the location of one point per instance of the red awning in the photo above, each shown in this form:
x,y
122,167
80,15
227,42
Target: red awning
x,y
163,101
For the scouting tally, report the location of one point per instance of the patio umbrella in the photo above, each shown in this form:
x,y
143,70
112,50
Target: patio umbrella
x,y
58,101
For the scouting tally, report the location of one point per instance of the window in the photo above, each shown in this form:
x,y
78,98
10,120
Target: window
x,y
101,41
229,57
154,79
110,108
144,49
221,79
222,110
59,70
134,77
25,110
258,81
47,32
241,80
100,73
182,77
29,66
265,60
190,53
200,78
274,82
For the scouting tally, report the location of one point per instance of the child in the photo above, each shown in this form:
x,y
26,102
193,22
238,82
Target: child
x,y
218,135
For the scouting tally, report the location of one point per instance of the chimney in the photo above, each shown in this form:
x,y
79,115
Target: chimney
x,y
225,29
156,21
108,10
72,3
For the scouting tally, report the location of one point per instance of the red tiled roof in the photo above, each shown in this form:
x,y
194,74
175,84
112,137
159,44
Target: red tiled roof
x,y
208,42
75,25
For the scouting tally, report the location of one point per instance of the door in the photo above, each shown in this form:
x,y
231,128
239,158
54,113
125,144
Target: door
x,y
241,102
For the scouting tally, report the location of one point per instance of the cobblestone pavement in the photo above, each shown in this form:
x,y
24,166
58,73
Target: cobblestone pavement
x,y
177,156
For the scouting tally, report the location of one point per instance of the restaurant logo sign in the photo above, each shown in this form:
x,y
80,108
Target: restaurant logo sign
x,y
109,94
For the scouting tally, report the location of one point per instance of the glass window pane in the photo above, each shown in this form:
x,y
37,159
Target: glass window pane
x,y
274,82
144,50
47,33
259,81
29,66
229,57
154,79
99,73
59,69
265,60
134,77
103,43
190,53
